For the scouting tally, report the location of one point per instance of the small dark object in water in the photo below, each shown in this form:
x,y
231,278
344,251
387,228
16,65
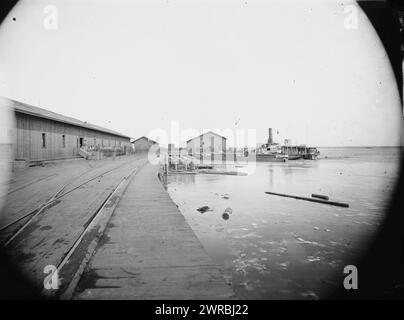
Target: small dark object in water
x,y
203,209
320,196
226,214
226,197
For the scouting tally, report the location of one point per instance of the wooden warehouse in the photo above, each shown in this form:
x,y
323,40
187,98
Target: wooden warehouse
x,y
45,135
208,143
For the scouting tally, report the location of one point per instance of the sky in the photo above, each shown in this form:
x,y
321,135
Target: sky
x,y
137,67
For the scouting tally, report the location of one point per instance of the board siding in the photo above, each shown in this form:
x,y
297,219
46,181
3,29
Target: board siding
x,y
29,131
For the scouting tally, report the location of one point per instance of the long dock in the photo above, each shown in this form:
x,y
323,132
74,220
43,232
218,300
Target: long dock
x,y
149,251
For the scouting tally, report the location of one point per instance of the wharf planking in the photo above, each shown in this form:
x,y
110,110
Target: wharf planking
x,y
149,251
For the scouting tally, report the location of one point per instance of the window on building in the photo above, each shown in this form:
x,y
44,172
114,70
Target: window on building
x,y
43,140
63,141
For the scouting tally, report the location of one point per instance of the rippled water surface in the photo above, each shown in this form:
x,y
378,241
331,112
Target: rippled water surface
x,y
282,248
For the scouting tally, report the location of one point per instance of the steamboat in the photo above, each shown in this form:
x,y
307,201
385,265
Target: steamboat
x,y
274,152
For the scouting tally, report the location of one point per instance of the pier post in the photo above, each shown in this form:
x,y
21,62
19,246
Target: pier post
x,y
201,149
223,149
212,149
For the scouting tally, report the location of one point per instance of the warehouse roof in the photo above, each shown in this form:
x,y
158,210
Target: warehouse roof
x,y
46,114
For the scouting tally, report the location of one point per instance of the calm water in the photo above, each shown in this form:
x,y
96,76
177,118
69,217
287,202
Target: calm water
x,y
274,247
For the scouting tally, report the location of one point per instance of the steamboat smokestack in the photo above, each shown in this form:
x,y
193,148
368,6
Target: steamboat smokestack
x,y
270,139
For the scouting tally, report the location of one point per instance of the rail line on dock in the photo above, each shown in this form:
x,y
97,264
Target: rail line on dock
x,y
26,185
88,225
53,198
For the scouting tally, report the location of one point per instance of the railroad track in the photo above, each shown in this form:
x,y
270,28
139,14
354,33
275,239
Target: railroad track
x,y
26,185
33,214
30,183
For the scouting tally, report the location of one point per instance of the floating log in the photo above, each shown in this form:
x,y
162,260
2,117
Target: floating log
x,y
332,203
172,173
229,173
202,166
320,196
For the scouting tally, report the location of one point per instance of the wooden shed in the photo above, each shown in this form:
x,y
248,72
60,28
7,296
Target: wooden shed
x,y
143,144
41,134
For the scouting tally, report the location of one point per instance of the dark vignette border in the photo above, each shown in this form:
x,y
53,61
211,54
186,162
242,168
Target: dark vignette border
x,y
381,272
